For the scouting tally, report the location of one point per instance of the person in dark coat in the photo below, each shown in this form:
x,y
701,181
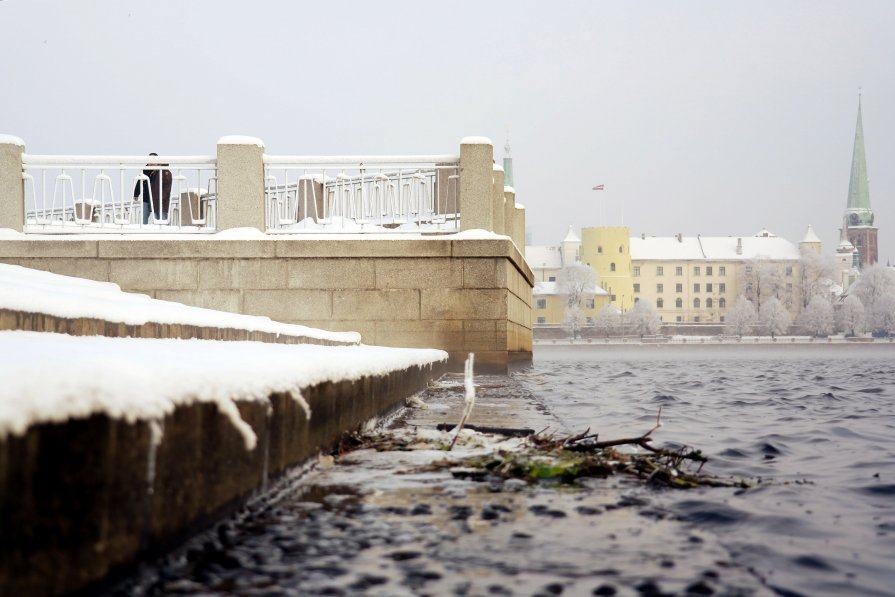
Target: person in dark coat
x,y
155,200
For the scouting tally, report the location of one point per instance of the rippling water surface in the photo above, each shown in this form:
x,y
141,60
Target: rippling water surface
x,y
815,430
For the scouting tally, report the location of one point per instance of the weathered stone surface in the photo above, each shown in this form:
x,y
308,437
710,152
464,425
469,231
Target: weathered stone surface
x,y
242,274
92,269
428,272
154,274
289,305
185,246
66,248
485,273
365,247
220,300
332,273
376,305
462,303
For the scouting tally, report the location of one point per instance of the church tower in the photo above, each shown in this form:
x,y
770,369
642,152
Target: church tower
x,y
861,231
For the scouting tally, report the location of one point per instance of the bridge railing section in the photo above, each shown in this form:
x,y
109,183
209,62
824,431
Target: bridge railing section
x,y
72,194
362,194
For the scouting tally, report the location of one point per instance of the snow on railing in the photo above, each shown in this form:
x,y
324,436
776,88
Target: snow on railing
x,y
65,194
362,193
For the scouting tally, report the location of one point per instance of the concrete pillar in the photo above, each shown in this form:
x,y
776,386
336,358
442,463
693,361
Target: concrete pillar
x,y
497,201
240,188
519,228
476,175
509,214
12,187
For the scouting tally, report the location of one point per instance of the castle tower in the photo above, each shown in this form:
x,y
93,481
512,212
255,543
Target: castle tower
x,y
811,243
861,231
571,248
608,250
845,257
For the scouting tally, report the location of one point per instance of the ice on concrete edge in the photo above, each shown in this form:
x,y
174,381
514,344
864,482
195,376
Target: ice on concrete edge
x,y
497,168
240,140
509,189
11,140
37,291
51,377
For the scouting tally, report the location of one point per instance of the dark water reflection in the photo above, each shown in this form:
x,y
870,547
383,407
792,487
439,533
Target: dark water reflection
x,y
816,429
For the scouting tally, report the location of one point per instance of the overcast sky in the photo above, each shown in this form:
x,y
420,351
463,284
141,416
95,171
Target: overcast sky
x,y
716,118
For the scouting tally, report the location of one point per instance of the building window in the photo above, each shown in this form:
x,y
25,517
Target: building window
x,y
748,269
612,267
722,287
599,250
589,304
708,303
636,271
722,270
695,270
660,288
679,303
542,304
679,319
708,270
612,298
551,279
696,303
636,299
660,303
621,249
708,287
722,304
789,271
660,271
696,319
636,287
542,320
722,317
696,288
678,287
679,270
789,288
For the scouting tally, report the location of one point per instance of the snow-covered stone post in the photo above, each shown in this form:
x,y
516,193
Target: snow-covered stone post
x,y
497,201
240,184
12,186
476,175
519,227
509,213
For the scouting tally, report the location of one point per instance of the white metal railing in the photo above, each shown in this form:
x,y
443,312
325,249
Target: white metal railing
x,y
362,193
65,194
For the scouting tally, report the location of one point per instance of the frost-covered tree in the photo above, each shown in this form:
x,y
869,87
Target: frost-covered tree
x,y
761,280
817,317
815,275
775,318
577,283
740,317
882,316
606,319
851,316
644,319
875,282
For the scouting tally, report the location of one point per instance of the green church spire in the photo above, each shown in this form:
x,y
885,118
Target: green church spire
x,y
858,210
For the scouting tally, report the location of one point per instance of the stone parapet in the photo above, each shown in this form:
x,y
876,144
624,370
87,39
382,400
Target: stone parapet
x,y
459,295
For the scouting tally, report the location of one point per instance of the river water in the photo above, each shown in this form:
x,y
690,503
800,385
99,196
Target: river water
x,y
812,428
817,427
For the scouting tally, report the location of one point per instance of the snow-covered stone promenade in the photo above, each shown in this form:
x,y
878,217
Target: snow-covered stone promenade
x,y
113,447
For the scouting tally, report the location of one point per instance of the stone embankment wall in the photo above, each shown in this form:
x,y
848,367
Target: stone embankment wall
x,y
458,295
82,499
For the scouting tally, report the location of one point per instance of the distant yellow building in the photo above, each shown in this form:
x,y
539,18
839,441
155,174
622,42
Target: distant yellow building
x,y
688,279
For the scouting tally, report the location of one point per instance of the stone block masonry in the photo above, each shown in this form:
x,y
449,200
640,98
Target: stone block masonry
x,y
457,294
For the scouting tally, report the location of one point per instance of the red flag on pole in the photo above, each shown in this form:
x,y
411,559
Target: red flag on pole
x,y
599,187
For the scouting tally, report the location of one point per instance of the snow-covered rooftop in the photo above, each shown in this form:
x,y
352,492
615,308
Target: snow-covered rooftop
x,y
810,235
571,237
543,256
550,288
718,248
35,291
53,377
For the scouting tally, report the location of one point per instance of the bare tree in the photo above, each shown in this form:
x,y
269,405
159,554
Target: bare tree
x,y
644,319
816,273
578,283
817,317
851,315
876,290
740,317
882,316
606,319
760,280
775,318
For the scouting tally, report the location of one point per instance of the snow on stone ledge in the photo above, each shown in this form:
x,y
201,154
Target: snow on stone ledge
x,y
475,141
55,377
11,140
240,140
35,291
